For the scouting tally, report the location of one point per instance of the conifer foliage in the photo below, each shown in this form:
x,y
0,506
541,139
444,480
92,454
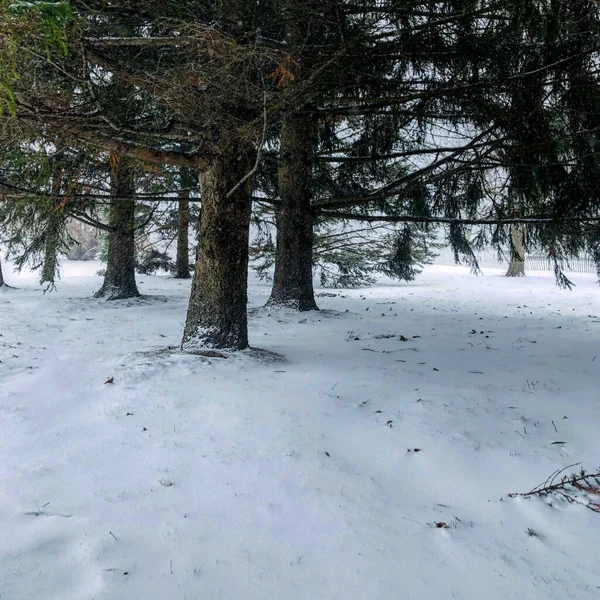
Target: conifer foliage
x,y
477,116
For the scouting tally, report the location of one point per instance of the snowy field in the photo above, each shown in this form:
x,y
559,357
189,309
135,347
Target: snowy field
x,y
251,478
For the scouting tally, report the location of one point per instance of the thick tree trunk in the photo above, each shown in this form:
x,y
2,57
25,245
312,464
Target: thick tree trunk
x,y
217,312
293,279
119,280
516,268
187,179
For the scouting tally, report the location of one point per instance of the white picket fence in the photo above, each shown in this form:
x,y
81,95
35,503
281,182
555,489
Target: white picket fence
x,y
534,262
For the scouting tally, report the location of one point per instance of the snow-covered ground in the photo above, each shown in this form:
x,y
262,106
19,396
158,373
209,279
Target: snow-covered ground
x,y
251,478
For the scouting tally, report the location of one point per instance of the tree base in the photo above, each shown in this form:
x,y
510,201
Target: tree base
x,y
515,272
296,304
210,339
111,292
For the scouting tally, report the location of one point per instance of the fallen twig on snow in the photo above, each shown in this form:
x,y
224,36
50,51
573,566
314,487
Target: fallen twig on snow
x,y
581,488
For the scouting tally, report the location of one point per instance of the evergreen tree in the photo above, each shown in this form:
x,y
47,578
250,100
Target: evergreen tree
x,y
34,220
454,112
119,278
183,46
520,79
310,135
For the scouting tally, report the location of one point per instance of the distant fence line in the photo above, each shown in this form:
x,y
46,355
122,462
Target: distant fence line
x,y
532,263
577,265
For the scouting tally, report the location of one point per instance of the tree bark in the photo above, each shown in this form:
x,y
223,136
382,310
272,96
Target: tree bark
x,y
51,243
187,179
119,280
217,312
293,278
3,284
516,268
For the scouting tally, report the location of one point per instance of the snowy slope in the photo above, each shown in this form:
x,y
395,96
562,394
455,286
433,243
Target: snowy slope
x,y
256,478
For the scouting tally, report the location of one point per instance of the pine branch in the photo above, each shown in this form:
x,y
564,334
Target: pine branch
x,y
454,221
576,488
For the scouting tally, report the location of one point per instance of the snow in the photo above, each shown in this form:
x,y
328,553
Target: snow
x,y
287,474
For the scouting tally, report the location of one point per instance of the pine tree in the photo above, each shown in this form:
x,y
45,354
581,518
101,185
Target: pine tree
x,y
119,278
34,220
353,103
520,80
222,120
306,133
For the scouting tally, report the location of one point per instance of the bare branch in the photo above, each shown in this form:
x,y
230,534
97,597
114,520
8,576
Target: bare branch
x,y
253,170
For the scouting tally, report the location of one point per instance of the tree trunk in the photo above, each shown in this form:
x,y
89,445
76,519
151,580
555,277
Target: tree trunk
x,y
217,312
293,279
51,243
3,284
516,268
187,179
119,280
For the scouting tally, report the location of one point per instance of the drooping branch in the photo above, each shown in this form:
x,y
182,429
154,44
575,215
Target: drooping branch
x,y
540,219
393,187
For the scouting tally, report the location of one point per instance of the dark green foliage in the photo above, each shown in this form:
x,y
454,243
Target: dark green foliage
x,y
464,109
35,234
412,249
351,255
462,247
149,261
38,183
